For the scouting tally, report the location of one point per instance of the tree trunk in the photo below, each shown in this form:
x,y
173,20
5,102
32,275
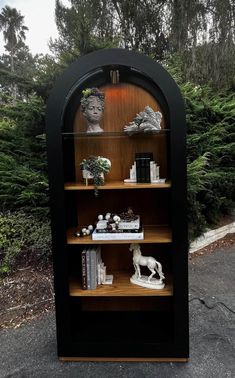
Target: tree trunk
x,y
13,86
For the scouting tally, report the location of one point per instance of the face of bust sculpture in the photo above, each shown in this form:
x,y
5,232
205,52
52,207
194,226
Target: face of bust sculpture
x,y
93,111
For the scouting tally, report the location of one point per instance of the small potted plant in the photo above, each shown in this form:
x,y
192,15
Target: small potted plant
x,y
94,167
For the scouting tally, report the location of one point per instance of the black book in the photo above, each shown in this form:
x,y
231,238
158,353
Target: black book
x,y
147,170
138,170
143,166
84,270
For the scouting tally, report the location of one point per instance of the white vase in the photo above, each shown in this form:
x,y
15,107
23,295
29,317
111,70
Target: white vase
x,y
88,175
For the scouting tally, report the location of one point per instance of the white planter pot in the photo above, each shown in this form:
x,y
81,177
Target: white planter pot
x,y
87,174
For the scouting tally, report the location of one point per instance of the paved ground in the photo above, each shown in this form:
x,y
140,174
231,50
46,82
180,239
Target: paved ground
x,y
30,351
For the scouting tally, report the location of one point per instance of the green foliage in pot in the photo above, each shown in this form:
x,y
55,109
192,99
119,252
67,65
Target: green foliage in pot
x,y
96,165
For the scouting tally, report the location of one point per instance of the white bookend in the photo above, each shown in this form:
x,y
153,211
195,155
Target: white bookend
x,y
102,273
108,279
103,278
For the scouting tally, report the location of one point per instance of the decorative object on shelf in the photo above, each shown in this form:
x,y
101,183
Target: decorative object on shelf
x,y
93,269
92,106
94,167
124,222
114,76
122,226
84,231
146,121
153,265
142,160
145,169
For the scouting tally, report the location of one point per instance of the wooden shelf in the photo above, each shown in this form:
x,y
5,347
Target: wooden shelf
x,y
114,134
121,287
116,185
152,234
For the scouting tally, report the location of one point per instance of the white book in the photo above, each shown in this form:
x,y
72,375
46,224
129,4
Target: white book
x,y
123,225
118,236
88,268
99,273
93,268
129,225
98,262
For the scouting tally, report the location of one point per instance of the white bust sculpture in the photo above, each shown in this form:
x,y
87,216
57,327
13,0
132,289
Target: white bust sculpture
x,y
92,106
153,265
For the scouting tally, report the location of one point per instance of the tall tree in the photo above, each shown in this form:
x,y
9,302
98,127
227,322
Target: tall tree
x,y
87,25
141,25
202,32
12,25
84,26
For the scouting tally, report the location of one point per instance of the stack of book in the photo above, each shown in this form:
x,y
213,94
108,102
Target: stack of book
x,y
142,160
127,227
93,269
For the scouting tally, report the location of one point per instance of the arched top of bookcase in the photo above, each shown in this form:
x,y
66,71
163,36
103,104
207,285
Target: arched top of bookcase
x,y
94,70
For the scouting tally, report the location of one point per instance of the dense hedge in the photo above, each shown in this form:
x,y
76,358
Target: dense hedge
x,y
210,150
211,156
24,221
22,233
23,165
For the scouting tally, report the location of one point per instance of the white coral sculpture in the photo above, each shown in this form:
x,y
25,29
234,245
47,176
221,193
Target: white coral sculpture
x,y
146,121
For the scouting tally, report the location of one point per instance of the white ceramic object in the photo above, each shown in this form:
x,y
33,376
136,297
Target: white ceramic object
x,y
153,265
154,174
87,174
107,216
146,121
143,281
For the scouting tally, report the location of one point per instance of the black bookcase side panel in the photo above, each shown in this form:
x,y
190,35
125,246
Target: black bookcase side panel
x,y
179,221
58,227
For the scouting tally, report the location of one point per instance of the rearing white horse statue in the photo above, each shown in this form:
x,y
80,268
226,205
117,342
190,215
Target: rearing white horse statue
x,y
139,260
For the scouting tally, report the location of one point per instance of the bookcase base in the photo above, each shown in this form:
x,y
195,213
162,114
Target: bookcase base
x,y
119,359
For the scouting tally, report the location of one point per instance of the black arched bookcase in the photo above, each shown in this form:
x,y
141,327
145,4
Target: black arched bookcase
x,y
119,321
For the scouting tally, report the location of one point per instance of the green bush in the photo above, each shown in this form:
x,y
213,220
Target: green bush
x,y
211,156
23,165
22,233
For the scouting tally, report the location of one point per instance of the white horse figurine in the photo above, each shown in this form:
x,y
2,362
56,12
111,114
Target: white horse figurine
x,y
139,260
